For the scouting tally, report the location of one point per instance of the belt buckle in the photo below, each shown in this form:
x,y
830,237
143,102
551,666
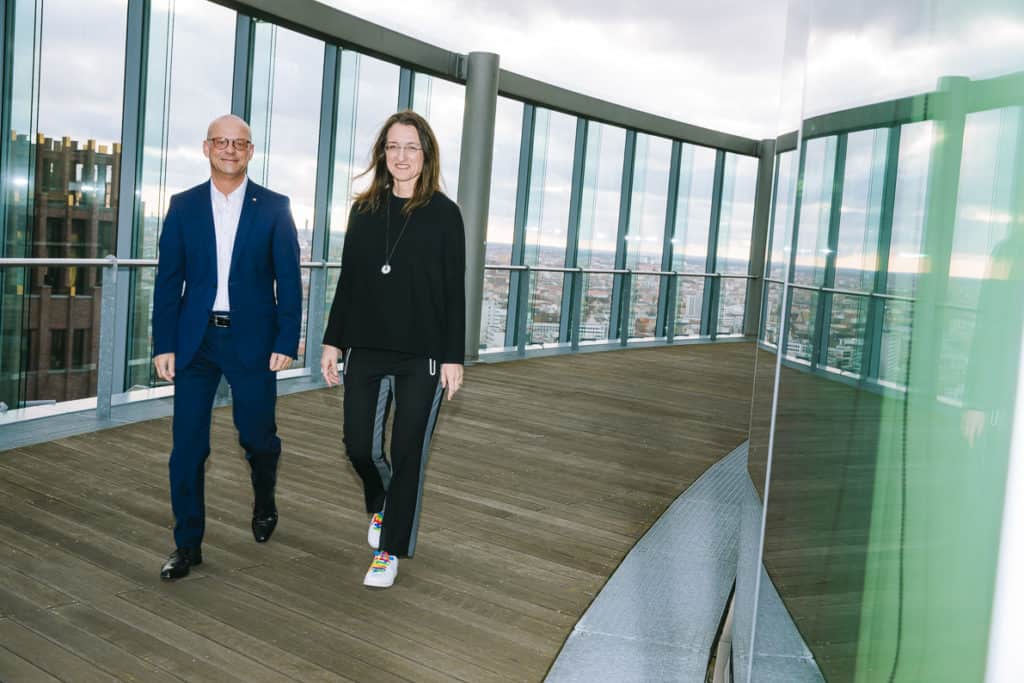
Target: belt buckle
x,y
220,320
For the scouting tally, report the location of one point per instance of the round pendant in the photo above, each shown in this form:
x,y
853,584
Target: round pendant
x,y
385,269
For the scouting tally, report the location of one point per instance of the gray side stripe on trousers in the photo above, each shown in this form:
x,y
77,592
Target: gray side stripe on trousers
x,y
431,421
380,461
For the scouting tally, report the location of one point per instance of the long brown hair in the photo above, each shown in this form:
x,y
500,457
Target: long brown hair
x,y
372,198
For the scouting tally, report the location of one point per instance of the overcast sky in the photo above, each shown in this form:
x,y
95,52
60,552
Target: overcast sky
x,y
714,63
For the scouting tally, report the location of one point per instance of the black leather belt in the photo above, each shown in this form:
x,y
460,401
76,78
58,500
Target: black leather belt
x,y
220,320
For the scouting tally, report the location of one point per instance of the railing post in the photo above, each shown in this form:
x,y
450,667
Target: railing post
x,y
105,361
522,294
624,306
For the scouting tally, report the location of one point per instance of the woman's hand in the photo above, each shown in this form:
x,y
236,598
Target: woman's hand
x,y
451,377
329,365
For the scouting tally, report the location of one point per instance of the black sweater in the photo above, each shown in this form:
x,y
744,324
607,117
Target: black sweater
x,y
420,306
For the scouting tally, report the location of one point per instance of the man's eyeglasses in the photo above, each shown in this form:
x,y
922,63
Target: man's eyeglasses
x,y
393,148
240,144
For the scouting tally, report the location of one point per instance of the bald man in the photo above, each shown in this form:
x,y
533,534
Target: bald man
x,y
227,302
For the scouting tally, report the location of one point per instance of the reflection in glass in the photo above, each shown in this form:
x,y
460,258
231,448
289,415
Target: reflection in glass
x,y
856,255
782,212
906,261
182,97
815,206
772,313
60,192
802,314
846,334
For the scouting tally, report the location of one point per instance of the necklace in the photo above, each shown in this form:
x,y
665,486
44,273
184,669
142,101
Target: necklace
x,y
389,249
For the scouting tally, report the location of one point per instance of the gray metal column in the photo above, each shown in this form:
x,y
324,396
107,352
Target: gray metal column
x,y
322,207
759,237
129,208
790,277
619,324
712,285
475,182
406,88
241,80
669,285
568,328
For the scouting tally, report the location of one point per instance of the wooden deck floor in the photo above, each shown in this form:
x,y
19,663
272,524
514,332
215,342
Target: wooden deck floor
x,y
543,474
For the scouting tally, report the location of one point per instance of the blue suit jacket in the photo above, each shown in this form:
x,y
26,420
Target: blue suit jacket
x,y
266,253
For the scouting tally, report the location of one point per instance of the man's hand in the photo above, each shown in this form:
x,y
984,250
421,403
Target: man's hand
x,y
329,365
972,424
451,377
279,361
164,364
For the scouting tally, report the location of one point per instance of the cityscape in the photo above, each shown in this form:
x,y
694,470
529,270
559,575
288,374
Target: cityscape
x,y
50,315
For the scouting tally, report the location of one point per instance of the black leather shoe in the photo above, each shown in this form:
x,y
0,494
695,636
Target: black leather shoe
x,y
180,562
263,525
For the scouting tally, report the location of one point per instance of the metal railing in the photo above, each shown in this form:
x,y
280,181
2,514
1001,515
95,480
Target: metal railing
x,y
669,287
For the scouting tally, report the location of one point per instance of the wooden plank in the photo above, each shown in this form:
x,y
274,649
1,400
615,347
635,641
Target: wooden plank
x,y
47,655
121,664
543,474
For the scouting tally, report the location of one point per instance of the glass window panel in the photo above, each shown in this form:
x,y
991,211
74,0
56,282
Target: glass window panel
x,y
782,223
595,306
599,225
894,354
815,207
547,218
863,182
693,209
368,95
287,84
61,189
846,334
508,132
494,313
985,208
802,314
442,103
646,233
544,318
732,306
906,260
182,97
739,183
772,313
689,302
643,306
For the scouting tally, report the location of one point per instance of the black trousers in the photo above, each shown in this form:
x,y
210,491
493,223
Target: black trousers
x,y
374,380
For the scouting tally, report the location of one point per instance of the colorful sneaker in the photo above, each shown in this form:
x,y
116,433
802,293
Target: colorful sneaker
x,y
383,570
373,533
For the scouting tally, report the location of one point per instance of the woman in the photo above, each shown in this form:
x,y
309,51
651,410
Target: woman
x,y
399,314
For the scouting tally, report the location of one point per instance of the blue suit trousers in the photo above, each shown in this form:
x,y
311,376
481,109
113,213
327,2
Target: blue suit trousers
x,y
254,395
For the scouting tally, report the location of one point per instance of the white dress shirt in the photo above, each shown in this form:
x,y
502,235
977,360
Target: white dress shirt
x,y
227,209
